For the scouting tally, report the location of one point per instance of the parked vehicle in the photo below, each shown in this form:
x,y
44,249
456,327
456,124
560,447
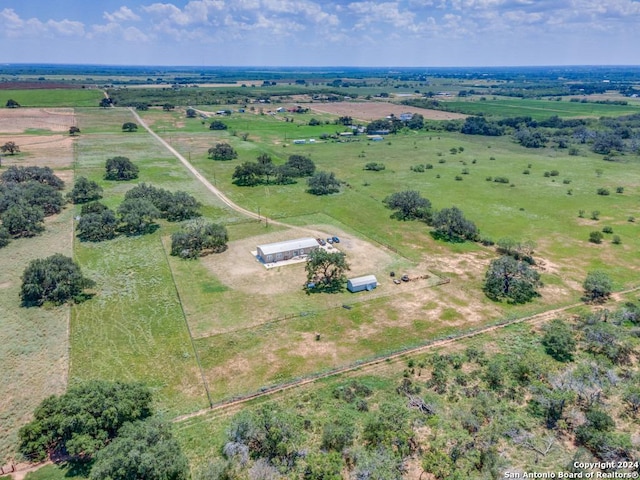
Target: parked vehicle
x,y
321,241
329,240
336,240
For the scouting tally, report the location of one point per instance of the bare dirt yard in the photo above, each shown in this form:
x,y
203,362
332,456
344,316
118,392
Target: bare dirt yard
x,y
240,270
19,120
368,111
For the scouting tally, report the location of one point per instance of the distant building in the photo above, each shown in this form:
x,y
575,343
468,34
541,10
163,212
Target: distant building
x,y
277,252
375,138
300,141
405,117
359,284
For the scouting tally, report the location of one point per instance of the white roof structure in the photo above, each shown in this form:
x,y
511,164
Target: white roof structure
x,y
364,280
288,245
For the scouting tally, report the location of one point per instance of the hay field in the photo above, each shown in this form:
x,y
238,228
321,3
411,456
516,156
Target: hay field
x,y
34,343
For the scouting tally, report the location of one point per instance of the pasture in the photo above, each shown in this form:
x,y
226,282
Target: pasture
x,y
62,97
34,343
538,109
221,326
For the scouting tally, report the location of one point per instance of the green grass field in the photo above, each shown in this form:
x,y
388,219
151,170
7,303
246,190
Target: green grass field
x,y
147,305
63,97
538,109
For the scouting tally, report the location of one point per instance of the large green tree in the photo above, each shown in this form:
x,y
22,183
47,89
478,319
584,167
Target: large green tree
x,y
142,450
323,183
137,215
98,226
23,220
300,166
84,190
326,269
129,127
222,151
511,279
120,168
197,238
55,279
451,225
408,205
84,419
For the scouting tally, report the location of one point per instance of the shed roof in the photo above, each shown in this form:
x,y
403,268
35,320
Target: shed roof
x,y
288,245
364,280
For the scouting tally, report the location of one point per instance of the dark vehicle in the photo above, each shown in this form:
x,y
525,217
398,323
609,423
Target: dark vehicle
x,y
329,240
336,240
321,241
405,278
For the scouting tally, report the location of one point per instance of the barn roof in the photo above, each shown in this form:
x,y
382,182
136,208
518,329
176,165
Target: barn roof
x,y
364,280
288,245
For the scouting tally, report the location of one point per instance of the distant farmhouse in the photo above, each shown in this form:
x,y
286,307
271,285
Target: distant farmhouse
x,y
277,252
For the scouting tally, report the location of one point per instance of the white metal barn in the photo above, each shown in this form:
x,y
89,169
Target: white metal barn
x,y
358,284
277,252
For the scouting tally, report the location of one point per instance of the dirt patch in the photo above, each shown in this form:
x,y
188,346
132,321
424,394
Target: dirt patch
x,y
238,269
55,151
368,111
18,120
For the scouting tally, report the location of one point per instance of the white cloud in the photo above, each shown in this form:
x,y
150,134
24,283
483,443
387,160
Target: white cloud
x,y
123,14
14,26
66,27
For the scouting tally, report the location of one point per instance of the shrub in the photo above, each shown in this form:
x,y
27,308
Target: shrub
x,y
603,191
619,189
616,240
376,167
596,237
607,229
501,180
218,125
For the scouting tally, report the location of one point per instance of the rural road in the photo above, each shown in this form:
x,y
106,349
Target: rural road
x,y
197,174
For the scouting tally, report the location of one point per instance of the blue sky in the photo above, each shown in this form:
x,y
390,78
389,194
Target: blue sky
x,y
317,33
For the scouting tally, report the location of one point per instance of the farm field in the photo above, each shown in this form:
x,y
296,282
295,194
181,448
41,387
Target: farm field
x,y
34,343
539,109
53,98
204,331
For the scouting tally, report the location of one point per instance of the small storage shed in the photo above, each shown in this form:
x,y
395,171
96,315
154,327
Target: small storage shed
x,y
276,252
358,284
